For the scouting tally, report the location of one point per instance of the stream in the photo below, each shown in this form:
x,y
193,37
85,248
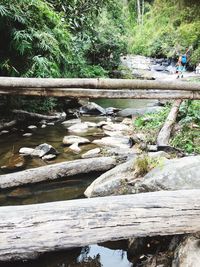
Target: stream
x,y
110,254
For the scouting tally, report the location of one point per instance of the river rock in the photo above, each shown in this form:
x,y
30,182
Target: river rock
x,y
112,182
71,122
78,128
102,123
50,123
121,153
115,133
49,157
116,127
143,74
26,151
127,121
158,67
91,124
4,132
43,126
136,62
93,153
121,142
188,253
111,111
15,163
128,112
71,139
74,147
27,134
93,109
119,180
174,174
44,149
32,127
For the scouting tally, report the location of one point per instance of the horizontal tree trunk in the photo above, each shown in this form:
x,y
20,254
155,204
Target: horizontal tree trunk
x,y
7,125
38,116
8,82
103,93
56,171
27,231
165,132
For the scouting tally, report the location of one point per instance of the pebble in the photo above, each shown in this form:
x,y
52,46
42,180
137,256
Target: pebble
x,y
4,132
49,157
27,134
32,127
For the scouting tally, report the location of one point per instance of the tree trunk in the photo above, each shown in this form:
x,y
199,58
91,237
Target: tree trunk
x,y
51,83
56,171
165,132
31,115
104,93
28,231
7,125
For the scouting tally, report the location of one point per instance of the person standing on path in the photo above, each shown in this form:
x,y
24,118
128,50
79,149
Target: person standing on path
x,y
181,64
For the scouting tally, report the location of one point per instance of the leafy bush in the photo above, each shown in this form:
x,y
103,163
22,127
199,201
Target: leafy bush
x,y
169,28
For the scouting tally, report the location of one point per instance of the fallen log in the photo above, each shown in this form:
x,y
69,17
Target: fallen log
x,y
11,82
56,171
28,231
31,115
165,132
8,125
103,93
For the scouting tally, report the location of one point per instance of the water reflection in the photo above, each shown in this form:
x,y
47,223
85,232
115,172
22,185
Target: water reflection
x,y
90,256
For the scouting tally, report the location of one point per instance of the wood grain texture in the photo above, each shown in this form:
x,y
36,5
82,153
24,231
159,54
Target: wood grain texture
x,y
56,171
103,93
165,132
27,231
11,82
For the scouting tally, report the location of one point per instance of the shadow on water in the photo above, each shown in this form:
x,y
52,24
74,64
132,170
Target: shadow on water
x,y
89,256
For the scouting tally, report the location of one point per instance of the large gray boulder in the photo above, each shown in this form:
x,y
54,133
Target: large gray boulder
x,y
175,174
128,112
168,175
188,253
121,142
112,182
44,149
71,139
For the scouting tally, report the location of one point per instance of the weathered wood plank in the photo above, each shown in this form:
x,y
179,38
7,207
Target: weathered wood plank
x,y
56,171
10,82
165,132
7,125
32,115
27,231
102,93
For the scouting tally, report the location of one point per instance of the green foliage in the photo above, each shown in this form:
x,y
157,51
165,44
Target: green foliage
x,y
169,28
107,43
144,164
60,38
36,41
152,121
187,137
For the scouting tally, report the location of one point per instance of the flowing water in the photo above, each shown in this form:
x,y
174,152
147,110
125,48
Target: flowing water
x,y
111,254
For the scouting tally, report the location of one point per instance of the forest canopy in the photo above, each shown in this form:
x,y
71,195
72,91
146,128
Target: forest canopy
x,y
85,38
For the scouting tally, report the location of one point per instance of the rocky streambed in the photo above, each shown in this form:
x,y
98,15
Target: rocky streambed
x,y
99,131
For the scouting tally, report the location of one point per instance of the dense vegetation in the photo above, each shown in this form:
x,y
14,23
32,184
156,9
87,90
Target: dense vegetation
x,y
167,29
60,38
76,38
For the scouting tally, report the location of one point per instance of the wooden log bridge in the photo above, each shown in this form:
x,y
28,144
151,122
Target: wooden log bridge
x,y
27,231
99,88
